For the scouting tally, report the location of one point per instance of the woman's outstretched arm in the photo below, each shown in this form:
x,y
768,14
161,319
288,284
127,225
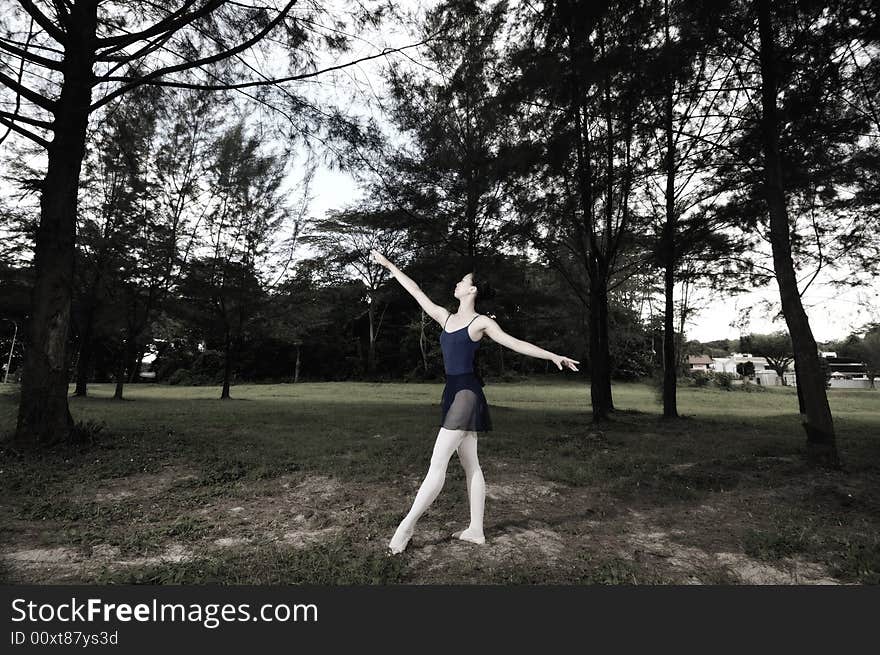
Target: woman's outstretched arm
x,y
433,310
494,332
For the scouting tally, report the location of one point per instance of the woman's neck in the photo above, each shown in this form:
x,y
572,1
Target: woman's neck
x,y
465,308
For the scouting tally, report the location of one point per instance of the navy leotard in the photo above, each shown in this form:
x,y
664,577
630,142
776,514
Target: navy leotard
x,y
464,405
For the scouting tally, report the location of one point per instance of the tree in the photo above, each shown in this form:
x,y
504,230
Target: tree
x,y
579,87
776,349
346,238
73,59
448,178
686,85
869,349
246,213
114,210
746,369
818,422
86,33
804,159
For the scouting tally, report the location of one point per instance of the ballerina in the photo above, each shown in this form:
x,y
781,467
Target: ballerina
x,y
464,410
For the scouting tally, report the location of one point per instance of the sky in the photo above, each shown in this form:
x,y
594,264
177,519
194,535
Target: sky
x,y
833,313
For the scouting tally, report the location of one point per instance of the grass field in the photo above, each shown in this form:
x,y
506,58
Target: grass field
x,y
305,483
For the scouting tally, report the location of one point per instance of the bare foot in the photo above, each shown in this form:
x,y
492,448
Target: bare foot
x,y
474,536
399,541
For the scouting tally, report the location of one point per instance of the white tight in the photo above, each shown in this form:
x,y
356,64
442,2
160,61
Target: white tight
x,y
448,441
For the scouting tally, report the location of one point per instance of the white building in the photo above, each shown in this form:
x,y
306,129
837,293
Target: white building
x,y
728,364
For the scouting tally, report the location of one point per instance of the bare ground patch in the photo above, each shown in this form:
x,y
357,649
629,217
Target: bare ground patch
x,y
293,511
530,522
137,485
61,564
694,565
534,522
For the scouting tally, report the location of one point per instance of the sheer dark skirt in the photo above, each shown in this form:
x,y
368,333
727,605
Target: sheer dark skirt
x,y
464,405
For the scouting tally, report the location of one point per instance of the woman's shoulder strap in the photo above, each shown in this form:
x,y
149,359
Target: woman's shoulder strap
x,y
447,320
474,318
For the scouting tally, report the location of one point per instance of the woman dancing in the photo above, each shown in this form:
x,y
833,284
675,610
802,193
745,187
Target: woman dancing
x,y
464,411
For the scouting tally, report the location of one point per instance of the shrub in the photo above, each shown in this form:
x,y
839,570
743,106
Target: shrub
x,y
418,374
632,374
180,376
750,387
700,378
724,380
86,432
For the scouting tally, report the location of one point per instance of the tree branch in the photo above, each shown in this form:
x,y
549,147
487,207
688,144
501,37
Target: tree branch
x,y
43,21
149,47
150,79
25,92
172,22
30,135
62,10
20,76
46,125
45,62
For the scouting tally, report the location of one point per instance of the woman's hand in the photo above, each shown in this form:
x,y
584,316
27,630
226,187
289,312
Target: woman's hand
x,y
561,361
379,258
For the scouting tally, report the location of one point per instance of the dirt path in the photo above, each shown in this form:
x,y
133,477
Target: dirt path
x,y
537,531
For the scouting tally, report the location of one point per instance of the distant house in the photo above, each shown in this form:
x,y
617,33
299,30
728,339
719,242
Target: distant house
x,y
847,373
728,364
699,363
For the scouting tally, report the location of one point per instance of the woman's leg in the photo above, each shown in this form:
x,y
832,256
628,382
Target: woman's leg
x,y
476,486
446,444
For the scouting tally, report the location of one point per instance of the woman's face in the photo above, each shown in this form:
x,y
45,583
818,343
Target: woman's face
x,y
464,285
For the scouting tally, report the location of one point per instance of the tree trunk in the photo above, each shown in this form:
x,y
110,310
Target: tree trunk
x,y
296,370
802,408
120,374
43,414
670,352
371,347
423,341
819,426
600,360
134,372
600,368
670,363
85,361
227,367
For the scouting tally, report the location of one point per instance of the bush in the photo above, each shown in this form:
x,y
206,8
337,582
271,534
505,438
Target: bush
x,y
724,380
700,378
418,374
86,432
180,376
209,363
629,374
750,387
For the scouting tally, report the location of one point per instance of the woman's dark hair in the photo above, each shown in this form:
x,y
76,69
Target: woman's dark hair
x,y
485,290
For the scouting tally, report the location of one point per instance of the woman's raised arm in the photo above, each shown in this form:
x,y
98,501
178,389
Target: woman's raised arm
x,y
494,332
433,310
